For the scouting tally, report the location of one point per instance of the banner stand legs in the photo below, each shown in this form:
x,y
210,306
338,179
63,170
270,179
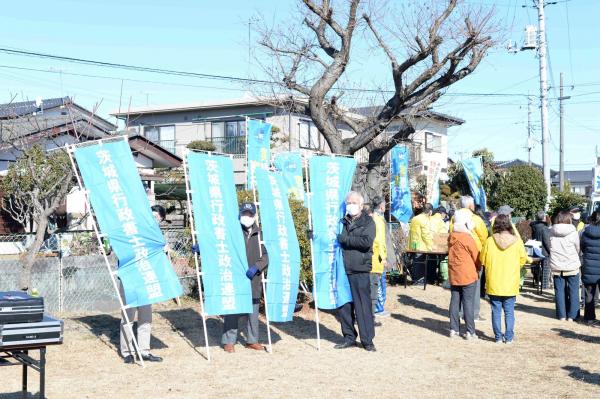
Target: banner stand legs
x,y
197,264
262,275
128,322
312,257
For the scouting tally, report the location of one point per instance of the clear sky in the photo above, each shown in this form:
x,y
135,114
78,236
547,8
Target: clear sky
x,y
212,37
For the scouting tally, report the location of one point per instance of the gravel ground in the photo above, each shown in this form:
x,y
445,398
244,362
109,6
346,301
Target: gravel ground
x,y
414,357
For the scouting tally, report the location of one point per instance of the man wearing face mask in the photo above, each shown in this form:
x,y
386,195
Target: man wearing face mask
x,y
258,260
356,240
576,218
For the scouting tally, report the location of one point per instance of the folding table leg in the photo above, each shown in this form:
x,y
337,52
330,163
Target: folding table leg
x,y
43,373
24,380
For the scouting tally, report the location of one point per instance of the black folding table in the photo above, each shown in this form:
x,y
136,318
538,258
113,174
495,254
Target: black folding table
x,y
20,353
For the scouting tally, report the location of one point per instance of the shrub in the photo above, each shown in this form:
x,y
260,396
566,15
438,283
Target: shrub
x,y
563,200
300,216
201,145
523,188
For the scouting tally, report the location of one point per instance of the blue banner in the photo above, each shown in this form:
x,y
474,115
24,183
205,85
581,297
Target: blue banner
x,y
290,166
123,213
474,171
219,234
330,181
279,236
259,147
401,201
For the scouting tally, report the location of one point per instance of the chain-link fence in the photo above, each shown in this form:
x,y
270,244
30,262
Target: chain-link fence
x,y
71,273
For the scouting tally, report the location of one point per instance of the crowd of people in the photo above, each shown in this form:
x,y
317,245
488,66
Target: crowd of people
x,y
486,259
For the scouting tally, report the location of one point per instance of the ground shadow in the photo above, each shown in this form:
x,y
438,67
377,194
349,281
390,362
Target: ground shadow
x,y
19,395
534,296
410,301
544,312
107,329
579,337
579,374
188,324
437,326
304,329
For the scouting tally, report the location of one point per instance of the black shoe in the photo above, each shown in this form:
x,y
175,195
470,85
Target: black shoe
x,y
377,324
370,348
128,359
345,345
151,358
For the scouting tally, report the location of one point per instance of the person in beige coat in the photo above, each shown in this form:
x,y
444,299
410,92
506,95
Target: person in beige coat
x,y
565,264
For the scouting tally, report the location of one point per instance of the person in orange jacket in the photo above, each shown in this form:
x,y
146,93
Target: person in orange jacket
x,y
463,275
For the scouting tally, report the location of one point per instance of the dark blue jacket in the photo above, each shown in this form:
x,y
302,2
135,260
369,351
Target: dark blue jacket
x,y
590,246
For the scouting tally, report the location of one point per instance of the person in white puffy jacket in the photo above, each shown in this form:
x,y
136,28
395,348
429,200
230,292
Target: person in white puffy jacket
x,y
565,264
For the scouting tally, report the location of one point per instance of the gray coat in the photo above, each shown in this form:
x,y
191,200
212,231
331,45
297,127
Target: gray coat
x,y
255,257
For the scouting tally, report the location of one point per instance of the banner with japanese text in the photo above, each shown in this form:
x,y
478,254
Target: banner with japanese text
x,y
330,181
474,171
401,201
123,212
259,147
433,183
290,166
279,236
219,234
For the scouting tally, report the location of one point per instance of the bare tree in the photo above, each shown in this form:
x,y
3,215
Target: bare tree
x,y
429,45
39,179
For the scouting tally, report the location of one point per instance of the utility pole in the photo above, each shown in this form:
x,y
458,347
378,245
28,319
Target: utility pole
x,y
544,94
562,134
529,129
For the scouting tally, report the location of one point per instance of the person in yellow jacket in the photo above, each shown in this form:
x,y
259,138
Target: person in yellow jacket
x,y
576,218
480,231
419,235
438,223
420,240
379,260
503,255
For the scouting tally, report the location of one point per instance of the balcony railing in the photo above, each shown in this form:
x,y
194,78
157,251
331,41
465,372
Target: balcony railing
x,y
235,145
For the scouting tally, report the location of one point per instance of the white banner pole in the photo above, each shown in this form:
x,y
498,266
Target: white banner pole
x,y
312,256
112,273
188,193
262,274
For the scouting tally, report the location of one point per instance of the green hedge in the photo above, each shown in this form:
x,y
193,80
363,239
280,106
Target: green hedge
x,y
300,216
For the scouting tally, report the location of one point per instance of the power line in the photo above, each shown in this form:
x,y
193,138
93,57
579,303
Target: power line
x,y
117,78
130,67
235,79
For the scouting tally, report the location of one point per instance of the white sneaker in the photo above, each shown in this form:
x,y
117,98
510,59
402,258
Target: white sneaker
x,y
454,334
500,341
471,337
509,342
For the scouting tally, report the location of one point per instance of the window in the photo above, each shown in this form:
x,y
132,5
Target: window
x,y
235,128
229,137
309,135
433,142
164,136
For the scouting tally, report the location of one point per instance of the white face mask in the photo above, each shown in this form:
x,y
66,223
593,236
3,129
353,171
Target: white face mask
x,y
577,216
247,221
352,209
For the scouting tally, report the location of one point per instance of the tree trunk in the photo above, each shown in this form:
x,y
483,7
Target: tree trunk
x,y
28,259
371,180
